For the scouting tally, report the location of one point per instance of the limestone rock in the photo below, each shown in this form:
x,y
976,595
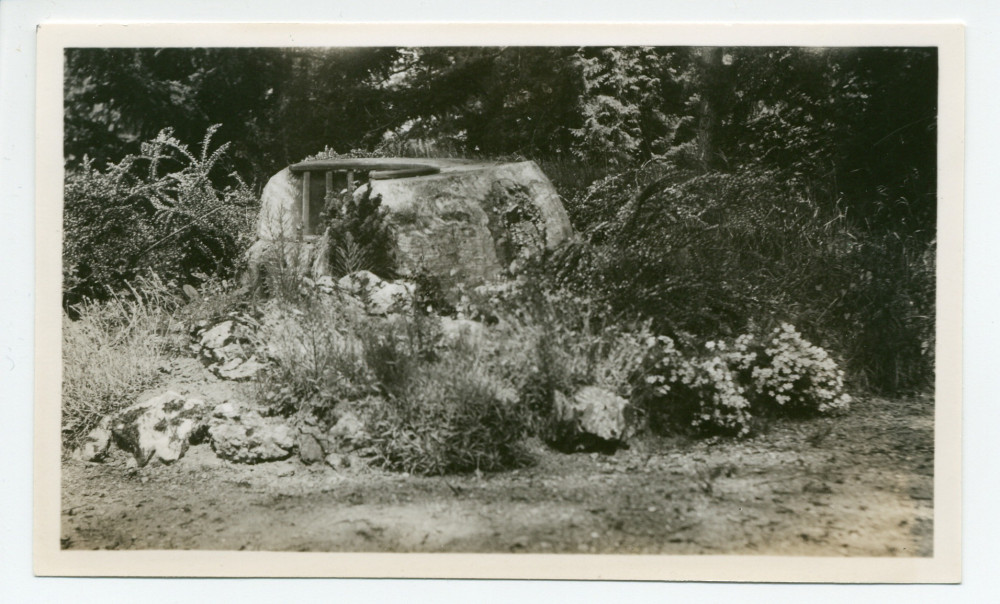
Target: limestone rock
x,y
239,369
216,337
361,283
325,284
396,297
159,428
378,296
249,438
96,444
227,410
454,330
593,418
465,224
336,461
348,432
309,448
226,347
339,461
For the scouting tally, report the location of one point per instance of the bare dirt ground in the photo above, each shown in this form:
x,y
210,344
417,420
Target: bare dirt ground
x,y
857,485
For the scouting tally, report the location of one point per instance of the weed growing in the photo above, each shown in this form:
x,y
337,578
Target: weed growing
x,y
112,351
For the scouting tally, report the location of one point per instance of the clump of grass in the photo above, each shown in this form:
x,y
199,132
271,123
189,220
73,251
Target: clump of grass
x,y
317,357
444,406
550,340
449,416
430,406
112,351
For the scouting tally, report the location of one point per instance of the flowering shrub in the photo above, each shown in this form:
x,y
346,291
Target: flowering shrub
x,y
795,375
702,392
724,387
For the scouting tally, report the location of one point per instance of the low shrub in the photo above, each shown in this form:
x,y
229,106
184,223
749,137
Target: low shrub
x,y
693,393
449,416
395,350
431,296
317,357
551,340
430,405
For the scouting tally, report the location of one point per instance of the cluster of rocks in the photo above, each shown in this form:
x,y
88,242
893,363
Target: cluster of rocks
x,y
230,346
369,292
227,346
162,428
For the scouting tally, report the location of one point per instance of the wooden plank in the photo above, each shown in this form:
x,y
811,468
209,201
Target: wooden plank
x,y
329,186
367,164
306,182
403,173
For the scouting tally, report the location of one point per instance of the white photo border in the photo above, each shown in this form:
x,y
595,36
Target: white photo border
x,y
943,567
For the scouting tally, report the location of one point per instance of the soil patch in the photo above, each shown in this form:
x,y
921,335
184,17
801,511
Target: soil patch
x,y
857,485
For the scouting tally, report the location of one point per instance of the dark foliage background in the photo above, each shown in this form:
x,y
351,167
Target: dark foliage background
x,y
715,190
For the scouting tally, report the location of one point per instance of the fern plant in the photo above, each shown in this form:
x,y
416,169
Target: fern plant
x,y
349,257
167,209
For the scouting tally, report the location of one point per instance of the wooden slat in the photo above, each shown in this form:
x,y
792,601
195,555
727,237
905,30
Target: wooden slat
x,y
366,164
350,182
306,181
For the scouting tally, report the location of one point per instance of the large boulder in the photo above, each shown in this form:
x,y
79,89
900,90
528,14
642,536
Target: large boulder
x,y
592,419
280,202
160,428
466,223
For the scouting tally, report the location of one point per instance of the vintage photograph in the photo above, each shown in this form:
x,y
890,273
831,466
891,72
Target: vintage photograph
x,y
592,299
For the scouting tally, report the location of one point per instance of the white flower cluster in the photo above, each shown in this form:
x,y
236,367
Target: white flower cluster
x,y
709,379
723,383
799,374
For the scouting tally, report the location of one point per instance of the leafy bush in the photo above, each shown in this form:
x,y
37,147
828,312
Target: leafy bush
x,y
431,405
716,254
443,409
881,312
545,341
431,295
317,357
164,210
448,416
